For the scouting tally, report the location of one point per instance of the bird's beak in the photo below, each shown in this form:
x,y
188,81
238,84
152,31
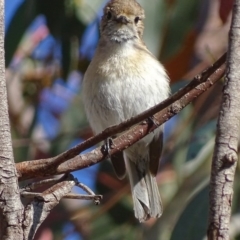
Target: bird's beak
x,y
122,19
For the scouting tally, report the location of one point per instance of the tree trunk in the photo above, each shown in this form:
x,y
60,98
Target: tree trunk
x,y
11,208
226,148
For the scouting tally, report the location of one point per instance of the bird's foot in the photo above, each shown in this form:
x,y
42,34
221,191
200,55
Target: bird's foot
x,y
153,121
106,148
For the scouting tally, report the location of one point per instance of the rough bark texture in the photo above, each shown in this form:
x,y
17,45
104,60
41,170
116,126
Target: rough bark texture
x,y
226,147
37,210
10,204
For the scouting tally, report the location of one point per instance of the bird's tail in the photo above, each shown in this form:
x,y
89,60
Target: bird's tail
x,y
146,198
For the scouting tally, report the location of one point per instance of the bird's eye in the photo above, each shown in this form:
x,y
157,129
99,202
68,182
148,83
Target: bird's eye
x,y
109,15
137,19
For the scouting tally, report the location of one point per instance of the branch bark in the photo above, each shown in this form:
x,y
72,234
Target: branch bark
x,y
225,157
168,108
10,204
27,191
37,210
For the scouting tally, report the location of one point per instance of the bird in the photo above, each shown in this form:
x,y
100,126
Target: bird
x,y
123,80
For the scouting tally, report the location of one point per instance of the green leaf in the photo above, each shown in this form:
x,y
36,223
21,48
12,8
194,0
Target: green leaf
x,y
21,20
192,224
64,25
105,229
200,137
154,24
181,18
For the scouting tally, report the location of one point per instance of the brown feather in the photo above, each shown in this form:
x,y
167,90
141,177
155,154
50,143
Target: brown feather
x,y
155,151
119,165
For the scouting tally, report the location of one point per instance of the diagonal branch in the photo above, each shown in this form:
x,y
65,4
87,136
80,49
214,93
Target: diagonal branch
x,y
167,109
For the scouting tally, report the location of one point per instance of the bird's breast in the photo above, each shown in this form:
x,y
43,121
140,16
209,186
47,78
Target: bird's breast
x,y
121,86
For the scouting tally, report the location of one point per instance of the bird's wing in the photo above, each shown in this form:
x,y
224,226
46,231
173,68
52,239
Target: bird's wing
x,y
155,150
119,165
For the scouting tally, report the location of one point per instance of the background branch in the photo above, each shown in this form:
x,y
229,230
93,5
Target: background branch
x,y
169,107
226,148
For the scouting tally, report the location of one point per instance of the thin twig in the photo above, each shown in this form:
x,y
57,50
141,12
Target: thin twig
x,y
27,191
90,192
95,198
42,183
85,188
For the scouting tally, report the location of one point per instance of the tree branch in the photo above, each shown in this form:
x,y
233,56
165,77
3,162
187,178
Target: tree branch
x,y
10,204
225,156
95,198
37,210
27,191
43,183
166,109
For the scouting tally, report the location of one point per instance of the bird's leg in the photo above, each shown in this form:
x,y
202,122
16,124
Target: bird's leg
x,y
106,148
154,121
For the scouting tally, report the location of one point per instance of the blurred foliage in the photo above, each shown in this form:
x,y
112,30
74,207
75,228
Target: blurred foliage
x,y
48,47
61,20
195,212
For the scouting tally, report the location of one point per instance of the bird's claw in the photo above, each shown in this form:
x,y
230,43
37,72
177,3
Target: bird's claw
x,y
153,121
106,148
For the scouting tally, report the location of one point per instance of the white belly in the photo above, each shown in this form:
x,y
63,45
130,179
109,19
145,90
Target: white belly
x,y
112,102
120,87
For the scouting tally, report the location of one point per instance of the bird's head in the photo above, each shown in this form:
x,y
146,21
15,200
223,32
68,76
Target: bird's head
x,y
122,21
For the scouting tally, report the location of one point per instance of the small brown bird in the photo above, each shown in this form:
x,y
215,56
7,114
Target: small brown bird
x,y
123,80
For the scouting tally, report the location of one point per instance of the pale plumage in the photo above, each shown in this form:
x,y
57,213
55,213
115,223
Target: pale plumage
x,y
123,80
